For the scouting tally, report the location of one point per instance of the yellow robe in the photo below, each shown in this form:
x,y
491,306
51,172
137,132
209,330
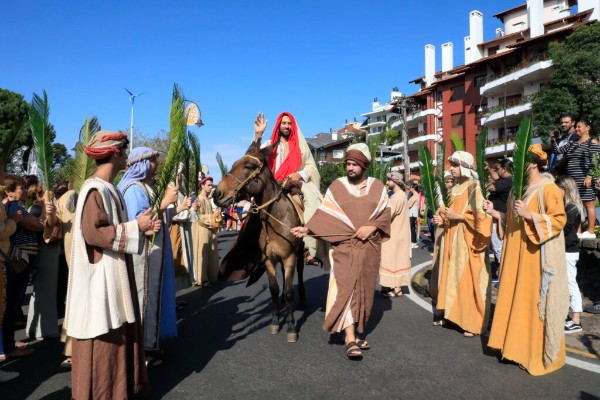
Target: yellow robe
x,y
464,282
517,329
204,240
396,253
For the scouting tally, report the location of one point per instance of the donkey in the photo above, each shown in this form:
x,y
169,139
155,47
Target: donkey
x,y
265,238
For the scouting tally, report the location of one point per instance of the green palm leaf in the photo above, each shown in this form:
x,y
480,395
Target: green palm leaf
x,y
457,141
195,147
522,159
482,171
84,166
428,181
39,112
222,166
441,162
177,140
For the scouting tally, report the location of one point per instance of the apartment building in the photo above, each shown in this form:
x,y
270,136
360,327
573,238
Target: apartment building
x,y
495,85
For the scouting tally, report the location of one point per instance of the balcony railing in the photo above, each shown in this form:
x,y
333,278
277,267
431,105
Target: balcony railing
x,y
523,64
509,104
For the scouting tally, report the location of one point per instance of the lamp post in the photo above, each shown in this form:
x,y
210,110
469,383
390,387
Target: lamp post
x,y
404,104
132,98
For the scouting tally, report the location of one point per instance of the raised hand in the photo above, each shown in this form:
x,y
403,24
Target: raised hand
x,y
170,197
521,209
260,124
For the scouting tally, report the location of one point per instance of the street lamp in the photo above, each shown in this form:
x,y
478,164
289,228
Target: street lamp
x,y
404,104
132,98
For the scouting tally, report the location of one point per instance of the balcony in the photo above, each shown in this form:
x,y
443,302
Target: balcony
x,y
497,147
530,70
414,139
515,108
416,115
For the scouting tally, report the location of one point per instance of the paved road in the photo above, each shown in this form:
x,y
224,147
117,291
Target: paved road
x,y
225,351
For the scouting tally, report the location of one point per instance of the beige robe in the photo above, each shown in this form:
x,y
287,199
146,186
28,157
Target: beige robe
x,y
395,253
204,239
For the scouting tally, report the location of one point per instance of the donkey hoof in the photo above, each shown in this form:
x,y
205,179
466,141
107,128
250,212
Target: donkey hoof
x,y
274,329
292,337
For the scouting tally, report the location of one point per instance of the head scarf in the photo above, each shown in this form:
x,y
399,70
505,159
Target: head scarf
x,y
360,154
203,180
466,163
448,175
293,161
538,151
138,165
104,144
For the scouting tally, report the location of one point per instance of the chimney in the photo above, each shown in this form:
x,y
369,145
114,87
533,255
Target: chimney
x,y
535,17
584,5
475,38
447,56
395,94
429,64
375,104
334,136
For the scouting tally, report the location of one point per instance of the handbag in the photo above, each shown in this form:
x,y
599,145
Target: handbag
x,y
15,264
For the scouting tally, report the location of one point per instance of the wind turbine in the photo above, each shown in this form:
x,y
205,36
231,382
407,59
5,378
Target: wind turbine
x,y
132,98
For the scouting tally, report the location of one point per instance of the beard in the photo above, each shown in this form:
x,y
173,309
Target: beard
x,y
285,133
356,177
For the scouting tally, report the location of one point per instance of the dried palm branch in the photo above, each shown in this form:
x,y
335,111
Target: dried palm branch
x,y
195,147
84,166
522,159
457,142
39,112
428,180
482,171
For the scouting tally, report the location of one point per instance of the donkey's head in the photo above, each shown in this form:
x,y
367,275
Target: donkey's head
x,y
247,178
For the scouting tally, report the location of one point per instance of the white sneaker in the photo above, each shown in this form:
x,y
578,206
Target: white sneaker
x,y
586,235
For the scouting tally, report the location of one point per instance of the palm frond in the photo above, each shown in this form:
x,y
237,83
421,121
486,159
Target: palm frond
x,y
84,166
39,113
222,166
482,171
428,181
195,147
441,163
457,142
177,136
522,159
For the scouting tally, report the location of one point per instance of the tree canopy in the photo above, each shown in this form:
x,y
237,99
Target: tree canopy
x,y
574,86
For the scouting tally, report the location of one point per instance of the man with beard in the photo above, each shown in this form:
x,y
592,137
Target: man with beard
x,y
566,134
355,219
292,159
102,314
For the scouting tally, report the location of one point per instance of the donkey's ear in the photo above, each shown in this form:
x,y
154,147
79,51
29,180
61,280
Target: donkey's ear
x,y
265,152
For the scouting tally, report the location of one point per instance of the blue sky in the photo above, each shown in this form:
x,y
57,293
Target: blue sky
x,y
324,61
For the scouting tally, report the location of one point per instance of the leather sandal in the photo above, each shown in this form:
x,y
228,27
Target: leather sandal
x,y
353,351
363,344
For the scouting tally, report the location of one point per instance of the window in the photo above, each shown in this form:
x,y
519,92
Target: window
x,y
479,80
322,156
458,93
440,122
493,50
338,154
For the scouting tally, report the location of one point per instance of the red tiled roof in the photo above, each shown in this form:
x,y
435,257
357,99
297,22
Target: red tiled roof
x,y
570,18
501,38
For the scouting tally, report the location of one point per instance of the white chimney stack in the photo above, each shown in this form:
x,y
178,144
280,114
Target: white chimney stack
x,y
447,56
535,17
396,94
584,5
475,37
429,64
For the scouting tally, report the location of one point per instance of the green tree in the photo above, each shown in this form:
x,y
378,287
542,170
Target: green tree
x,y
574,86
329,173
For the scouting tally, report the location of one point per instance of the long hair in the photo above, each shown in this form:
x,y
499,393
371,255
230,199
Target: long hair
x,y
568,184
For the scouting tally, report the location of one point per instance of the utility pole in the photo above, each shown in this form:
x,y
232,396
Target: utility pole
x,y
404,105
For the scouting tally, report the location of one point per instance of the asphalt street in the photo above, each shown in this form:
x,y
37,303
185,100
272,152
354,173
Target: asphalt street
x,y
224,351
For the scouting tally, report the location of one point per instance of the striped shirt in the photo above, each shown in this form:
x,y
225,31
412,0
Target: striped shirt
x,y
27,240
